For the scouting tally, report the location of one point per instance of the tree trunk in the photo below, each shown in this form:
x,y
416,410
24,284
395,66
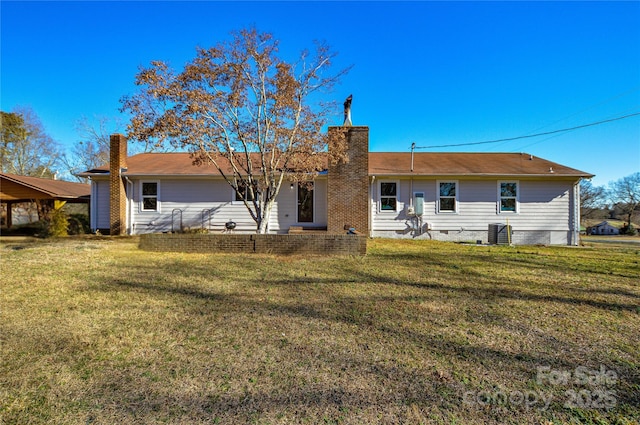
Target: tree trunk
x,y
263,226
44,208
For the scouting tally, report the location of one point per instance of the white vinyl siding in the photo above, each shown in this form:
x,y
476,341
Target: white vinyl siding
x,y
210,203
190,203
100,212
543,205
285,211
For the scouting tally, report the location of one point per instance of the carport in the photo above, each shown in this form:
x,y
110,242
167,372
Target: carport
x,y
15,189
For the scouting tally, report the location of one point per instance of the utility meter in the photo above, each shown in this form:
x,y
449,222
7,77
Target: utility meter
x,y
418,203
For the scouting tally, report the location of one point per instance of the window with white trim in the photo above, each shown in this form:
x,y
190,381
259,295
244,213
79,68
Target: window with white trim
x,y
150,200
242,192
388,196
447,196
508,197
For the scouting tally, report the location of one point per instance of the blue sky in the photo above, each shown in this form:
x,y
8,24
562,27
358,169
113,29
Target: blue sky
x,y
426,72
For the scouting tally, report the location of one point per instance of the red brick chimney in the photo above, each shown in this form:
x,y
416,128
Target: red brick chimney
x,y
348,184
117,195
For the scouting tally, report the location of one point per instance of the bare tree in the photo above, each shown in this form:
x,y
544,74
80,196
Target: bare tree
x,y
92,148
26,149
240,107
592,198
12,132
625,192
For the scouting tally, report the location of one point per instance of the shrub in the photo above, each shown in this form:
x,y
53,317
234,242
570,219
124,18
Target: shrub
x,y
628,229
195,230
57,224
79,224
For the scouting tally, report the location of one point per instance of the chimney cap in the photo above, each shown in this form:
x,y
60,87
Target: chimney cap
x,y
347,112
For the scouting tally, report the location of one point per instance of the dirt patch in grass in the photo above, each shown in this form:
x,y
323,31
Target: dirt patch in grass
x,y
96,331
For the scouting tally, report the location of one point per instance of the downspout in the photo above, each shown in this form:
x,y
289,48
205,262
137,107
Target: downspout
x,y
129,196
92,206
576,213
373,179
411,193
413,148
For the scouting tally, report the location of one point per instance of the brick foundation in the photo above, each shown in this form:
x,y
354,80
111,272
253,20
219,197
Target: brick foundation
x,y
313,244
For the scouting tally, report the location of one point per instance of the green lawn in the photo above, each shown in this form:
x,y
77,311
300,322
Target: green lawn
x,y
95,331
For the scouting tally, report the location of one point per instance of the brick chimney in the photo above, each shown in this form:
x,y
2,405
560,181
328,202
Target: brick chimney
x,y
348,184
117,195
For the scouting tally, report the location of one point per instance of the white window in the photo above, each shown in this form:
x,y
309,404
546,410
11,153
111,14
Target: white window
x,y
508,197
150,199
388,195
242,192
447,196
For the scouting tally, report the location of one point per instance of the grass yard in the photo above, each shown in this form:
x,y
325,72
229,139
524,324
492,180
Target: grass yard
x,y
95,331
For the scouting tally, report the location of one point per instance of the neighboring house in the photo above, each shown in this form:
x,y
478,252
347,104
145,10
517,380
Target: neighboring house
x,y
442,196
603,228
15,190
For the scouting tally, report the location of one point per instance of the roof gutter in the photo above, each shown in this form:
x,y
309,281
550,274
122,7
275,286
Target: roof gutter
x,y
391,173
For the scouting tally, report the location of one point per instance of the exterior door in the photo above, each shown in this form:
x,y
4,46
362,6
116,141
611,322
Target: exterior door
x,y
305,202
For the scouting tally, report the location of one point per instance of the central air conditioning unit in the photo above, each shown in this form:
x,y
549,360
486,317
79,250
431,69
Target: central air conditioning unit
x,y
500,234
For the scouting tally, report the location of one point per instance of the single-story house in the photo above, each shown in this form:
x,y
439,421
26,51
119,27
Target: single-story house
x,y
442,196
603,228
16,189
